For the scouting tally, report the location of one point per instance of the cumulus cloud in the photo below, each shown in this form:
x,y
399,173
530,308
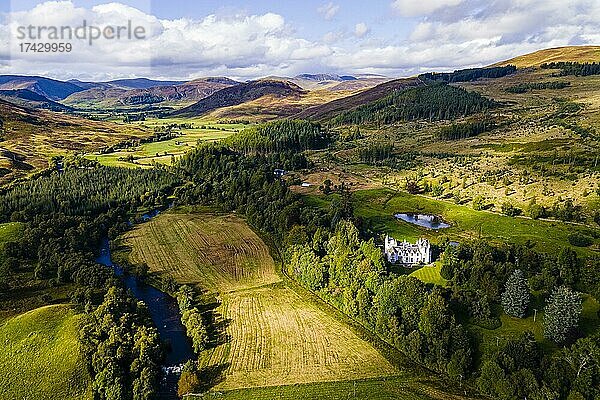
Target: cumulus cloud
x,y
246,46
411,8
361,29
329,10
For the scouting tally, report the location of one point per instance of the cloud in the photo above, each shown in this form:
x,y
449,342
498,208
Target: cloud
x,y
411,8
361,29
328,11
247,46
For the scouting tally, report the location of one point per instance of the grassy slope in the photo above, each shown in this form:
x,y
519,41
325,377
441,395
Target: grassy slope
x,y
40,358
568,53
9,232
378,206
275,336
430,274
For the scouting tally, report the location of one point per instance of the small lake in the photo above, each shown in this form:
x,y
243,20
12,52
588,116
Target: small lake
x,y
428,221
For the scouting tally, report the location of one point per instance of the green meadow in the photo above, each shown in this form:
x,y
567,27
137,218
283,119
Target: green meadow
x,y
377,207
163,152
40,356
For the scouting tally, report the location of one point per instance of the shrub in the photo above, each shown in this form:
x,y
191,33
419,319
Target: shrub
x,y
578,239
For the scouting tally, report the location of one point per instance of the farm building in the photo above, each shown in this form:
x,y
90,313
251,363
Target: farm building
x,y
407,253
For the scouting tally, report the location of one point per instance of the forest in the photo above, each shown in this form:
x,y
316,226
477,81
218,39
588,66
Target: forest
x,y
283,135
431,103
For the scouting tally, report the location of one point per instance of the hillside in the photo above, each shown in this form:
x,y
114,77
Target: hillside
x,y
583,54
28,137
41,358
141,83
242,93
49,88
107,97
27,98
332,108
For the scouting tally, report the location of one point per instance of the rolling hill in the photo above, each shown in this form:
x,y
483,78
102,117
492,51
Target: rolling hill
x,y
242,93
27,98
49,88
332,108
583,54
110,96
29,137
141,83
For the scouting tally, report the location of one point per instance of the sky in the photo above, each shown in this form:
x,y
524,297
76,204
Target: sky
x,y
251,39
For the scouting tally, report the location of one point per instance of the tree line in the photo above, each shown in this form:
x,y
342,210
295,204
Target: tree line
x,y
465,130
468,75
527,87
574,68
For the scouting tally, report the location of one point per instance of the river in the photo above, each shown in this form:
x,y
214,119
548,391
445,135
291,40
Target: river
x,y
165,315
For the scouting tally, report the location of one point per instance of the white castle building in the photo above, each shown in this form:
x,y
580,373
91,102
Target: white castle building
x,y
407,253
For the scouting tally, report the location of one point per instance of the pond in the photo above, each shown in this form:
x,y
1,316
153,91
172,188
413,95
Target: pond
x,y
428,221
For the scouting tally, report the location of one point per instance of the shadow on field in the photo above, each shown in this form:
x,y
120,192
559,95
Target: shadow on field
x,y
217,323
213,375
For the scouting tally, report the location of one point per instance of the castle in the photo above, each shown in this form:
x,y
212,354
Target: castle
x,y
407,253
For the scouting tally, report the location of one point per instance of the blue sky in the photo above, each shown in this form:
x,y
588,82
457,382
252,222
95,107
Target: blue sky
x,y
246,40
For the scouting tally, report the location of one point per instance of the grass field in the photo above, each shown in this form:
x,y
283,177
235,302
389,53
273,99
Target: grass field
x,y
218,253
40,358
10,231
378,206
163,152
388,388
275,335
430,274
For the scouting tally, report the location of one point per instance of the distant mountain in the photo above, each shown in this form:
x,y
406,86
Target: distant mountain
x,y
24,97
89,85
242,93
324,77
49,88
334,107
141,83
582,54
117,96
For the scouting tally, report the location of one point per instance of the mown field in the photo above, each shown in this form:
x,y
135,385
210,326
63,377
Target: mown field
x,y
378,207
40,357
275,335
218,253
278,338
430,274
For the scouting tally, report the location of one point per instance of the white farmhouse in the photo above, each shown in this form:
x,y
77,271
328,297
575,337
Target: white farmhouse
x,y
407,253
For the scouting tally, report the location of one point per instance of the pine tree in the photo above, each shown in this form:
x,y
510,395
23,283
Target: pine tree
x,y
515,298
562,314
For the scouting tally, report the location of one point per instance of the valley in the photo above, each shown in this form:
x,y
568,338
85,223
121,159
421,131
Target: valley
x,y
259,210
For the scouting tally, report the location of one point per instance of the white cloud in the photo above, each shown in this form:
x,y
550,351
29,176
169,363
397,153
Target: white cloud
x,y
361,29
329,10
411,8
478,32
